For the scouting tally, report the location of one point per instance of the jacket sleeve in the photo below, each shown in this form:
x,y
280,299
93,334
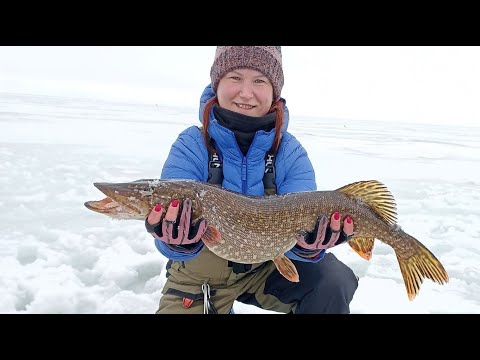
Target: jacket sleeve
x,y
292,255
298,176
176,253
188,159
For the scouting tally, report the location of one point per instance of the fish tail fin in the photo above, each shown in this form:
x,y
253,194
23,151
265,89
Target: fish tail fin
x,y
286,267
363,246
416,261
422,264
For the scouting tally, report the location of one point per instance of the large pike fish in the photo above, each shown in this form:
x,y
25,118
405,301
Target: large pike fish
x,y
254,229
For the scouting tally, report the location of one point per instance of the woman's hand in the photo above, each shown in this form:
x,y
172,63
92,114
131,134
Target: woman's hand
x,y
325,236
173,229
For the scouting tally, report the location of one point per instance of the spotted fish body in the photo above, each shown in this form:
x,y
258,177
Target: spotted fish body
x,y
251,229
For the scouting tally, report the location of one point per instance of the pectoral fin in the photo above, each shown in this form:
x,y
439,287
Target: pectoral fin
x,y
211,237
362,246
286,268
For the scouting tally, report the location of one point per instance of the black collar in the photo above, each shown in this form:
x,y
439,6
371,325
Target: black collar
x,y
243,126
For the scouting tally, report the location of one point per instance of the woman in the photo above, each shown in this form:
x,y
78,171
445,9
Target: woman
x,y
244,118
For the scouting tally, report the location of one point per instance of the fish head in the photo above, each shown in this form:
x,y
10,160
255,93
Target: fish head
x,y
135,200
131,200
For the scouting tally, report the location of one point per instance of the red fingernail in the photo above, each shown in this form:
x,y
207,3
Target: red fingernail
x,y
174,202
158,207
349,220
336,216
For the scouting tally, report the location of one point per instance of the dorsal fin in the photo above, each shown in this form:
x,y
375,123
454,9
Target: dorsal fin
x,y
376,195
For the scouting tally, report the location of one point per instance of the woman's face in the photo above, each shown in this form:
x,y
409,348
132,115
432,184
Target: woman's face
x,y
245,91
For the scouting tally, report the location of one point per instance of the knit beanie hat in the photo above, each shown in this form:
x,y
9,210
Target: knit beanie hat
x,y
265,59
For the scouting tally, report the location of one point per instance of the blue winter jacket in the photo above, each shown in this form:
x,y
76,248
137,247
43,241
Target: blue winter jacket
x,y
188,159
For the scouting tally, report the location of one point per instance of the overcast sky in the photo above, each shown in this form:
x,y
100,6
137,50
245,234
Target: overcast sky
x,y
438,85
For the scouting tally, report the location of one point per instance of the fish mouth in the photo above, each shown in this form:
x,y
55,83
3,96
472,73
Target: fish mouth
x,y
107,206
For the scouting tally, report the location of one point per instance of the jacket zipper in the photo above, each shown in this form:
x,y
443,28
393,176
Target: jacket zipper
x,y
244,165
244,175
